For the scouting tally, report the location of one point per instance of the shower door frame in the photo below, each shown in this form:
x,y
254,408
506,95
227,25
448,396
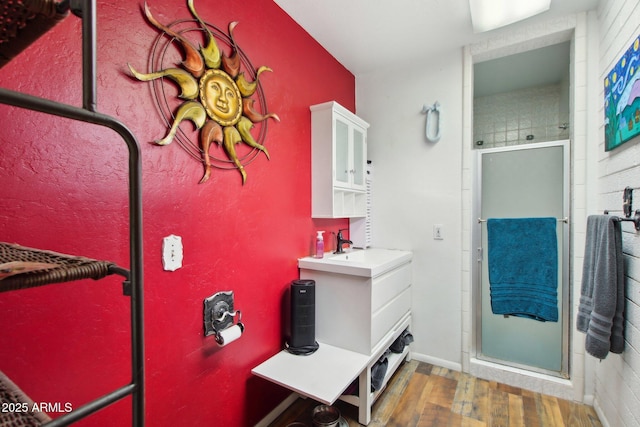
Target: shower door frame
x,y
477,257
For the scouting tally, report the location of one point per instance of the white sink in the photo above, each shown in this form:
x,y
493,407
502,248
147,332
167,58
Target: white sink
x,y
366,262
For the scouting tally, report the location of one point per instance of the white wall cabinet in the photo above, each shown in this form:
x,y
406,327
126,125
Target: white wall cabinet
x,y
338,162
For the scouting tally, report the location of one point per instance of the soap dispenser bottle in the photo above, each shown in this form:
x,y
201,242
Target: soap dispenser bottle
x,y
319,245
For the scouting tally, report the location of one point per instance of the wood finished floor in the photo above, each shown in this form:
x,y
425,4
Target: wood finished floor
x,y
424,395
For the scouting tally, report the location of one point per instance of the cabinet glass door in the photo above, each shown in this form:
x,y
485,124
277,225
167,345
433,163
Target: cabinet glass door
x,y
341,176
358,158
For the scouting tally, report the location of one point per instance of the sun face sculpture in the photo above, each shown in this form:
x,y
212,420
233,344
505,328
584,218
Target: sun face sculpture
x,y
216,95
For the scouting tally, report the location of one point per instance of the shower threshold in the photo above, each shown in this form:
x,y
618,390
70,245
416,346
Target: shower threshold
x,y
547,382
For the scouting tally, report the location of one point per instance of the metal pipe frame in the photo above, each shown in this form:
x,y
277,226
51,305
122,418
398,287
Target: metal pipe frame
x,y
88,114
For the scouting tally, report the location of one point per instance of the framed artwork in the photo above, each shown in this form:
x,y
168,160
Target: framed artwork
x,y
622,99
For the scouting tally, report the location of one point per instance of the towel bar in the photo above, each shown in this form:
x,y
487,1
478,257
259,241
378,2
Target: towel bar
x,y
565,220
635,219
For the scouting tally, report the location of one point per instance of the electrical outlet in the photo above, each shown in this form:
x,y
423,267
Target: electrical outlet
x,y
437,232
172,252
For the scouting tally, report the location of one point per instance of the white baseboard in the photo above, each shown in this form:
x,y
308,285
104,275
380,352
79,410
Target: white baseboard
x,y
598,409
588,400
278,410
435,361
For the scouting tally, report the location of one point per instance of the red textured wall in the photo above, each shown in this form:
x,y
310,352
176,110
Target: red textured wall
x,y
64,188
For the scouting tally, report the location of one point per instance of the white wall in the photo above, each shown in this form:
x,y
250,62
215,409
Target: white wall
x,y
416,185
617,378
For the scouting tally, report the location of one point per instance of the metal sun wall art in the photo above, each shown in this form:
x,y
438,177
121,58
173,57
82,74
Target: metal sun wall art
x,y
216,94
622,99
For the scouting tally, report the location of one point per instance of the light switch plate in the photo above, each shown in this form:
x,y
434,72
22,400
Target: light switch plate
x,y
172,252
437,232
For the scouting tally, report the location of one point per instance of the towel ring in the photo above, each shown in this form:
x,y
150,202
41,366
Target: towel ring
x,y
434,109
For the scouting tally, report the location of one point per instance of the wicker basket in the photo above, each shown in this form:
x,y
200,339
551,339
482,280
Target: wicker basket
x,y
19,407
24,21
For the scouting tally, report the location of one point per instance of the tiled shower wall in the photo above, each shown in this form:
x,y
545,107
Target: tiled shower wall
x,y
540,114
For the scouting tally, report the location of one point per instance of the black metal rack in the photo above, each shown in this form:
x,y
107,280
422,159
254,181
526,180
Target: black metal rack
x,y
133,285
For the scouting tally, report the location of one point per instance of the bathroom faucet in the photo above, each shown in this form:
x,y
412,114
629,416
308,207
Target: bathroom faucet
x,y
340,242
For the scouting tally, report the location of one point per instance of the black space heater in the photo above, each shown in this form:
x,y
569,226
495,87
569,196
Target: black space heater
x,y
302,340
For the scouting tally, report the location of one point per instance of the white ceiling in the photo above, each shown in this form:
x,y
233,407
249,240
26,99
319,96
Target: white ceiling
x,y
364,35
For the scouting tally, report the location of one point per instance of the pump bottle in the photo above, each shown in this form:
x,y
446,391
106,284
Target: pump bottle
x,y
319,245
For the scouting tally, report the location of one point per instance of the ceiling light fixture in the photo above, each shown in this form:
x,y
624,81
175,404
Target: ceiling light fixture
x,y
490,14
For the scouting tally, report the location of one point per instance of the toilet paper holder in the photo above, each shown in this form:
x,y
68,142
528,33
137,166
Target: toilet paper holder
x,y
219,314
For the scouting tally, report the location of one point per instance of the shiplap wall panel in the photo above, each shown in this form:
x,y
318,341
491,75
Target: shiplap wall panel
x,y
617,378
633,291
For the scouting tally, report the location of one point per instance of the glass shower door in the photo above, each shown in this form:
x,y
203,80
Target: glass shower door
x,y
524,181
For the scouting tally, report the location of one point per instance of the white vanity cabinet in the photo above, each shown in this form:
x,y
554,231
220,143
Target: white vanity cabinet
x,y
338,162
362,305
365,315
355,312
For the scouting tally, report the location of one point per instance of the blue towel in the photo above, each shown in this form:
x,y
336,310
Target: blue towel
x,y
523,267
